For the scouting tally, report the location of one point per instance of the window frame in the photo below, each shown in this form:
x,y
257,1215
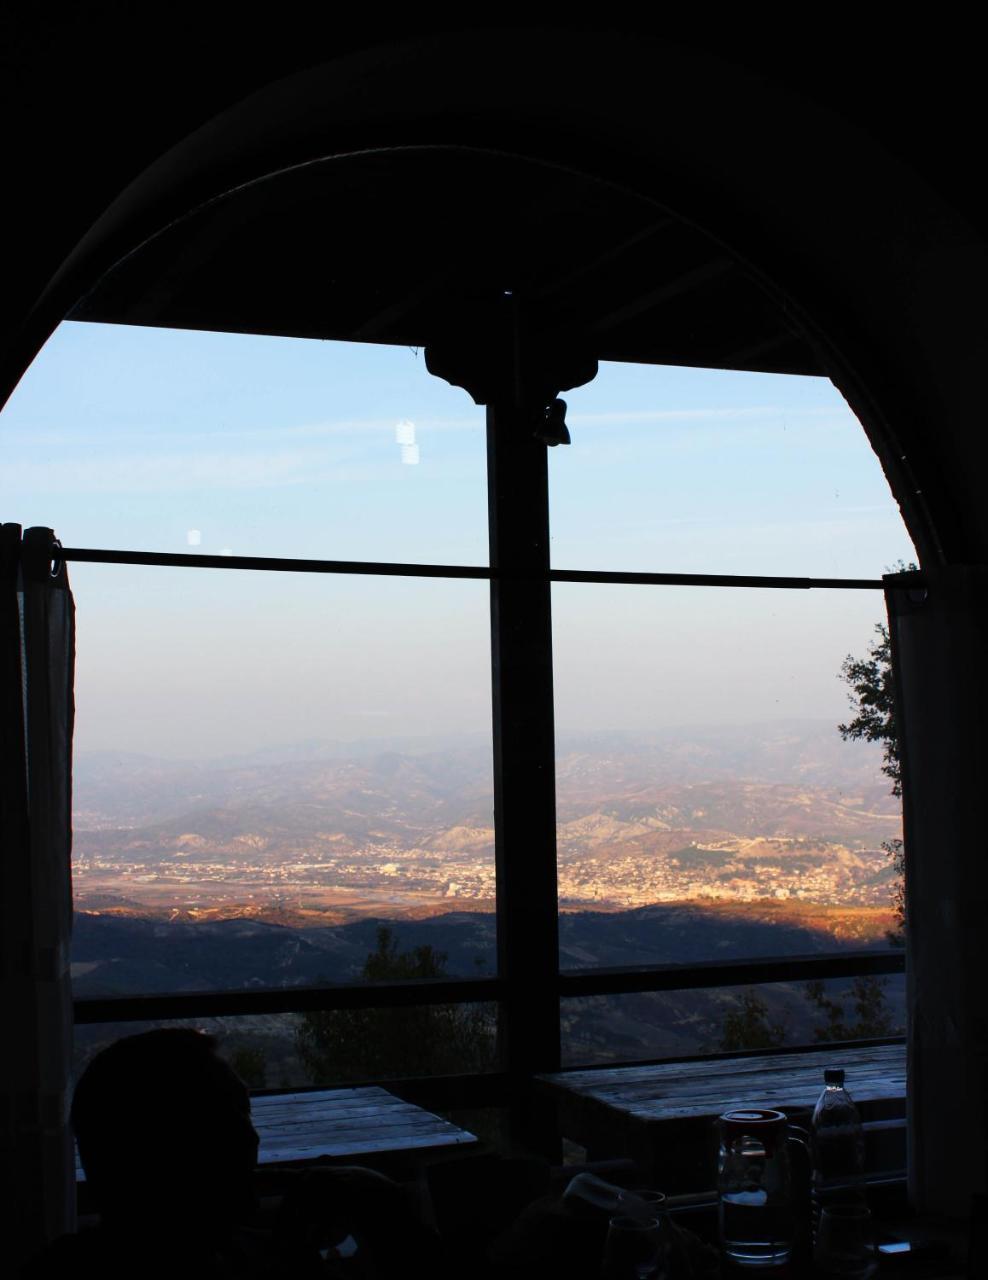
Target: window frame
x,y
529,984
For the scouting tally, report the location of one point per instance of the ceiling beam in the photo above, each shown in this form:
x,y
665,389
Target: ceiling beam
x,y
685,283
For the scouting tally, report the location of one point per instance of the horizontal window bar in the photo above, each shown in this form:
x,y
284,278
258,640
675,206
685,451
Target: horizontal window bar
x,y
383,568
731,1055
218,1004
589,982
853,964
715,580
275,564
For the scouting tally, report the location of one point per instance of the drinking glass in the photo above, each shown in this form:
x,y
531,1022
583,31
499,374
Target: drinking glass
x,y
644,1204
633,1249
845,1242
641,1204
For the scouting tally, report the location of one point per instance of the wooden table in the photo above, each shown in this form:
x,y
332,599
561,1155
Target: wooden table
x,y
346,1122
343,1123
663,1116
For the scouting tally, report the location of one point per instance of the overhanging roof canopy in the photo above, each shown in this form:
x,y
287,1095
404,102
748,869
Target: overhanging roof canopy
x,y
405,246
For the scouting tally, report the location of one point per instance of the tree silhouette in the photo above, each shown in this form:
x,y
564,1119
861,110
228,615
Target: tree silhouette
x,y
872,693
749,1027
869,1016
367,1044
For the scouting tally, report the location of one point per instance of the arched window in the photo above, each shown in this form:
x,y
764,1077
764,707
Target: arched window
x,y
304,567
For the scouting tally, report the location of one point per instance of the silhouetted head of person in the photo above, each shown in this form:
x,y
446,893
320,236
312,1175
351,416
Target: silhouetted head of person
x,y
164,1132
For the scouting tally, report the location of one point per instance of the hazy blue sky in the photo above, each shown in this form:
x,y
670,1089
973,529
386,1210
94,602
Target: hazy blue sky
x,y
162,440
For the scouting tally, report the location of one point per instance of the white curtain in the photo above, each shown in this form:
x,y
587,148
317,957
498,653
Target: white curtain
x,y
37,652
939,630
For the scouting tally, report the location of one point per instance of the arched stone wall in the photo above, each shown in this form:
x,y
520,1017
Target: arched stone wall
x,y
854,245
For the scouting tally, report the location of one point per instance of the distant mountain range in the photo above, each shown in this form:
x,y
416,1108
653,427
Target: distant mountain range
x,y
315,835
452,778
279,867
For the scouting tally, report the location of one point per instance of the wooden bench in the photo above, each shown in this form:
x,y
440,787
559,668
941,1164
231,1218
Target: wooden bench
x,y
664,1116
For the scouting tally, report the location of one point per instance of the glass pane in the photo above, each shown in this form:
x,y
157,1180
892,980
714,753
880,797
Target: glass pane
x,y
272,768
175,440
713,471
707,806
680,1024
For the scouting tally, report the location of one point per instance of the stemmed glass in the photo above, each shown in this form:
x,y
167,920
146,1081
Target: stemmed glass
x,y
642,1204
633,1249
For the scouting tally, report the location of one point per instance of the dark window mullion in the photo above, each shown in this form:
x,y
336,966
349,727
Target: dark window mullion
x,y
524,746
569,984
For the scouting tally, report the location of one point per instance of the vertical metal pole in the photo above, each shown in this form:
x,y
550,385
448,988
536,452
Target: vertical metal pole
x,y
524,765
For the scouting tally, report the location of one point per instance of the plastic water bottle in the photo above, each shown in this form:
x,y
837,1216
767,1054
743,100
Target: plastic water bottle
x,y
838,1148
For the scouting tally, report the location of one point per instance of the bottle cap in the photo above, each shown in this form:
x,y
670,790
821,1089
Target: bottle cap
x,y
833,1075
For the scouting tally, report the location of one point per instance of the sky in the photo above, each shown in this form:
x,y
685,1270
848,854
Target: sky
x,y
123,437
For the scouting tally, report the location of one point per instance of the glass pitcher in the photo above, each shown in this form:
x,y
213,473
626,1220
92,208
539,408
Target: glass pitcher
x,y
755,1187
